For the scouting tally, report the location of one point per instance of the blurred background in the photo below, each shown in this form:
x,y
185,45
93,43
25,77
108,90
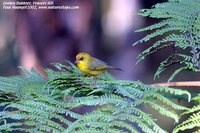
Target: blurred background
x,y
105,29
102,28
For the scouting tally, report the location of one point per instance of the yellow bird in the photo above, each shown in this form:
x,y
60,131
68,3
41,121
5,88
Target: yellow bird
x,y
90,65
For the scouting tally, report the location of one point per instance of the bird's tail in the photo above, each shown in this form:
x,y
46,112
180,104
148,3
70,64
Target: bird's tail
x,y
115,68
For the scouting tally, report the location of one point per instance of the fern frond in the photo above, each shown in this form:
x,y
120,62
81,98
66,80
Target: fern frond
x,y
173,91
165,100
35,105
180,27
194,117
163,110
191,122
197,98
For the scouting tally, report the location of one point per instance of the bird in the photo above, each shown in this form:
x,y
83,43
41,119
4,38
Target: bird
x,y
91,66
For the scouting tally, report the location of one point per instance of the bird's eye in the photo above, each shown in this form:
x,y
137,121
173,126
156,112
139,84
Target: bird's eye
x,y
81,58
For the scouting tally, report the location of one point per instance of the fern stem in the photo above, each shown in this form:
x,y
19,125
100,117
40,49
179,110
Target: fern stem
x,y
182,83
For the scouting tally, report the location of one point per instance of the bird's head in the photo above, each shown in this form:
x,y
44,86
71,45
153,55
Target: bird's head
x,y
82,57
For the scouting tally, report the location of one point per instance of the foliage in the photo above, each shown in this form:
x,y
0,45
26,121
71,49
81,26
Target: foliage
x,y
194,118
179,30
34,104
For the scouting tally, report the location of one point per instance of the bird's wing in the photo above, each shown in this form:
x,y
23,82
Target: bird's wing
x,y
97,65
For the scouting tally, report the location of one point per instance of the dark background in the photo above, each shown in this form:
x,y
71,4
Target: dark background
x,y
105,29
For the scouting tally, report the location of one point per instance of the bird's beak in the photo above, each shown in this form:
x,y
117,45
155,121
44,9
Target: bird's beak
x,y
76,61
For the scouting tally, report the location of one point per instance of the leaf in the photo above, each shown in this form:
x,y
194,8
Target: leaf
x,y
176,72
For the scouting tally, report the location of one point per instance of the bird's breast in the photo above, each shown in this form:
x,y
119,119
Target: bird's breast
x,y
85,69
82,66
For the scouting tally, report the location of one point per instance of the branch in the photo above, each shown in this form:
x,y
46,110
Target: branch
x,y
182,83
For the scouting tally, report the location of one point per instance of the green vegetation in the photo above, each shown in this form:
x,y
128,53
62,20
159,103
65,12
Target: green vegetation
x,y
39,105
180,30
